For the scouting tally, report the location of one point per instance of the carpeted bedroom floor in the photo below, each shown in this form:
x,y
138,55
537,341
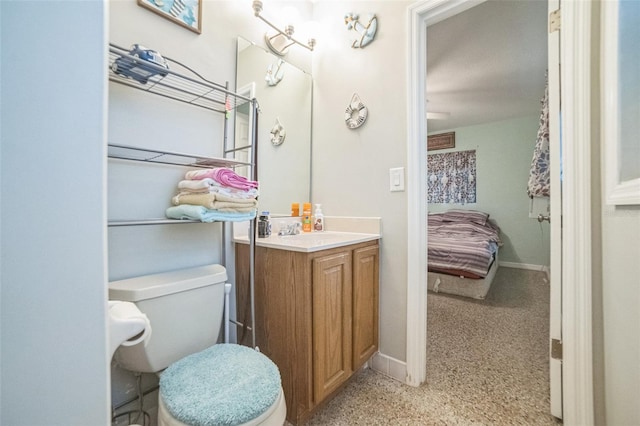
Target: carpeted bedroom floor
x,y
488,364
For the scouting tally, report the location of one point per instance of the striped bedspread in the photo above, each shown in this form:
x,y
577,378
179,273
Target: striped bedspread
x,y
461,247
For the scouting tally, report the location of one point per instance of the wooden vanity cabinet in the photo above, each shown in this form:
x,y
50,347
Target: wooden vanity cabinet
x,y
316,317
365,303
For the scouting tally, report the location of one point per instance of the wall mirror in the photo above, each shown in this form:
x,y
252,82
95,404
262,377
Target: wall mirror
x,y
620,95
284,94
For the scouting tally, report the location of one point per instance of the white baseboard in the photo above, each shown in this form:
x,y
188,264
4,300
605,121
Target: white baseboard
x,y
389,366
527,266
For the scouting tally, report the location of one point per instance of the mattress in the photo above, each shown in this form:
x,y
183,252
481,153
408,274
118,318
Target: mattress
x,y
476,288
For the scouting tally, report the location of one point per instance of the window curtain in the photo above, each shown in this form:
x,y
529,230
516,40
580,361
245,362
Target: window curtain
x,y
539,179
452,177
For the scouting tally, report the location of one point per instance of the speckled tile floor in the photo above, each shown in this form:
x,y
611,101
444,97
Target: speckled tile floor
x,y
488,365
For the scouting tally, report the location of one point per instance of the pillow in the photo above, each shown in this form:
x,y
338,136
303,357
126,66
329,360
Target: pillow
x,y
473,216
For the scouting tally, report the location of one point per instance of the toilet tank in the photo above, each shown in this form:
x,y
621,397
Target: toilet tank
x,y
185,309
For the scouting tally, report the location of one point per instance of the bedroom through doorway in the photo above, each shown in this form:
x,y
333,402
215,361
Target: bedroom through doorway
x,y
488,331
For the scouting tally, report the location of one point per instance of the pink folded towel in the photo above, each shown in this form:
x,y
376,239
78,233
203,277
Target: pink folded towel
x,y
223,176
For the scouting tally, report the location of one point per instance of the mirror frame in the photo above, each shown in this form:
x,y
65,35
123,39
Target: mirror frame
x,y
618,192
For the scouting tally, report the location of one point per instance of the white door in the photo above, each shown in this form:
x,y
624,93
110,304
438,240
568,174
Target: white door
x,y
555,213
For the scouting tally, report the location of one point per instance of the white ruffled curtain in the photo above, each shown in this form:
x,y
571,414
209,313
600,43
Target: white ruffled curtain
x,y
539,179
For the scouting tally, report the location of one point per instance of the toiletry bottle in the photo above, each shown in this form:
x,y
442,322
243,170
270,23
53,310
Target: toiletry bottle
x,y
264,226
306,217
318,221
295,209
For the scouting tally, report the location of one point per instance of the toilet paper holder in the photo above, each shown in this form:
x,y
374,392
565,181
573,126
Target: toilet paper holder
x,y
127,325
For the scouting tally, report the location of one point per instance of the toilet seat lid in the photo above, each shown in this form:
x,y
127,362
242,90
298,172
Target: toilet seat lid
x,y
226,384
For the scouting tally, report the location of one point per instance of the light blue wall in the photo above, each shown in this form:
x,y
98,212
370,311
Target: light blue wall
x,y
504,151
53,306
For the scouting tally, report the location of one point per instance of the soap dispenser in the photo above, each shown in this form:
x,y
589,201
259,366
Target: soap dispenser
x,y
318,224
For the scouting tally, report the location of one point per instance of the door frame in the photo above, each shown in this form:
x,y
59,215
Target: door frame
x,y
555,214
576,58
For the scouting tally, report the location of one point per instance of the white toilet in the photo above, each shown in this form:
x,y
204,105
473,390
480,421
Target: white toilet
x,y
203,383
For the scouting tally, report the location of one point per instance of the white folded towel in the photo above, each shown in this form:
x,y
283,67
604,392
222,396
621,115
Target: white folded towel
x,y
197,184
213,201
209,185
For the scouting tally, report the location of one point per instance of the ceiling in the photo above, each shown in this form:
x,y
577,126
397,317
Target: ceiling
x,y
487,63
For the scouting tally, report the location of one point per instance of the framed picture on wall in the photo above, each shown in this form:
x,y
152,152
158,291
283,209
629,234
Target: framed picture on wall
x,y
441,141
187,13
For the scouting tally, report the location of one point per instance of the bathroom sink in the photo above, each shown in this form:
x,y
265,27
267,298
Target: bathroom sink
x,y
312,236
312,241
324,237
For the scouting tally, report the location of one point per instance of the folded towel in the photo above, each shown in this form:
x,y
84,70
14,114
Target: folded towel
x,y
208,185
212,201
197,185
226,177
232,199
230,178
205,200
234,207
186,211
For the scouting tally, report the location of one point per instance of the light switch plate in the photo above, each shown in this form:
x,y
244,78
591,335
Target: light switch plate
x,y
396,179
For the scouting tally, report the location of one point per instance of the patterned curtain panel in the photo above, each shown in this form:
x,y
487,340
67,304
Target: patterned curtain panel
x,y
452,177
539,180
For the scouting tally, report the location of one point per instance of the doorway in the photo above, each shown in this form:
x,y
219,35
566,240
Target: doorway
x,y
576,276
485,77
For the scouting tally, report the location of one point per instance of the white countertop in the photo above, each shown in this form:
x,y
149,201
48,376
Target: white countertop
x,y
310,241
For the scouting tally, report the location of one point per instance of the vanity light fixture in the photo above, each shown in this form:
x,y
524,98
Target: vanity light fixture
x,y
280,42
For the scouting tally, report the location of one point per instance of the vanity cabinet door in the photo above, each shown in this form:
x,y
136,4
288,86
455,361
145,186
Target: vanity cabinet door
x,y
331,322
365,304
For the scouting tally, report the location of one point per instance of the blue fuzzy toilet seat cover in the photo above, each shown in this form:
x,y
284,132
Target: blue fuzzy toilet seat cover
x,y
226,384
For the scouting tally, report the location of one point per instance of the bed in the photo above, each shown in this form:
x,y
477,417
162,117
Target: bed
x,y
462,252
